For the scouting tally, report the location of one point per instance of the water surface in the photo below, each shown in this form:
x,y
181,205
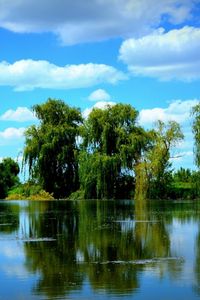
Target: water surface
x,y
99,250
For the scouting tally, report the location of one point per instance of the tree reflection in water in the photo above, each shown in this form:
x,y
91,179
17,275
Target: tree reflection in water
x,y
104,247
103,242
9,217
55,260
197,265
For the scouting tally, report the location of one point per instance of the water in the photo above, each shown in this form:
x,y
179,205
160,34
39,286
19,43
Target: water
x,y
99,250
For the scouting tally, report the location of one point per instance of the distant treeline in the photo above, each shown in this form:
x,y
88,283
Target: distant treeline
x,y
106,155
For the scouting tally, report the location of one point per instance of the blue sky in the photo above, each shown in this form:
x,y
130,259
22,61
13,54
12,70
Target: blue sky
x,y
89,53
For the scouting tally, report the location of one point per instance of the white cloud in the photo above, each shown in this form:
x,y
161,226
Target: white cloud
x,y
100,104
21,114
99,95
85,21
177,110
30,74
164,55
12,133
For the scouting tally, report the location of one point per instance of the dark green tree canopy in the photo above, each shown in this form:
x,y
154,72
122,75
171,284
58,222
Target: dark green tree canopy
x,y
112,144
114,130
183,175
106,130
9,170
55,112
51,147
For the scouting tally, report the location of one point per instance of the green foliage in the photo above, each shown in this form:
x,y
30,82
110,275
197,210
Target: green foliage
x,y
180,190
196,131
51,148
106,130
98,175
29,191
115,155
195,184
141,181
77,195
154,170
185,184
112,144
182,175
9,170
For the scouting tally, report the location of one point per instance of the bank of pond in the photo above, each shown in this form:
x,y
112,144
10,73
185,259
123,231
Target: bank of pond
x,y
184,184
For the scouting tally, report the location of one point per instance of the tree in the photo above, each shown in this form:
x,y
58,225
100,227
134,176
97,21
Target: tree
x,y
154,170
112,144
182,175
196,132
9,170
51,147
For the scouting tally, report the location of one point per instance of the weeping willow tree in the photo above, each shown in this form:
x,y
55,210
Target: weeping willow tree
x,y
196,131
51,147
112,144
153,173
99,175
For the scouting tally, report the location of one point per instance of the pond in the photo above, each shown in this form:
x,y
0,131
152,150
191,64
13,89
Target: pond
x,y
100,250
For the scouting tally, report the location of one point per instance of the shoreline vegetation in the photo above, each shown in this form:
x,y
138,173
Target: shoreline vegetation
x,y
184,185
20,195
107,155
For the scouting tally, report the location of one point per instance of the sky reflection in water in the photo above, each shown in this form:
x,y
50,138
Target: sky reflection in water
x,y
101,250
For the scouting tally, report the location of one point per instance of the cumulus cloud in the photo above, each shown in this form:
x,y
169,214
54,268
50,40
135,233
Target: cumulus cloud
x,y
21,114
99,95
164,55
12,133
85,21
29,74
100,104
177,110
